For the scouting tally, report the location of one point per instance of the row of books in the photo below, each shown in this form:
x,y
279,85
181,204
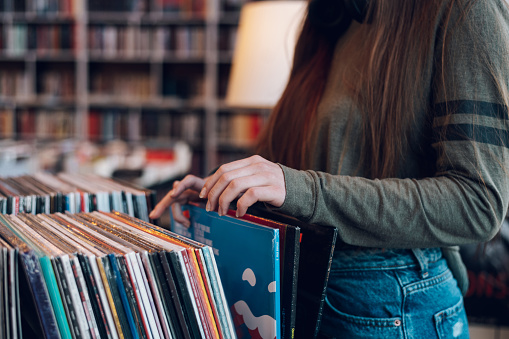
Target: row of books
x,y
43,124
227,38
6,124
129,84
118,5
18,39
40,7
14,83
191,7
106,275
240,130
64,192
57,83
103,125
160,124
130,41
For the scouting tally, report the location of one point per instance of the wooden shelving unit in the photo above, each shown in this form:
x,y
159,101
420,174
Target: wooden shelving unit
x,y
134,70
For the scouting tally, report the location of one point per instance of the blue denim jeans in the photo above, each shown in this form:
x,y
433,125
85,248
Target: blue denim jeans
x,y
381,293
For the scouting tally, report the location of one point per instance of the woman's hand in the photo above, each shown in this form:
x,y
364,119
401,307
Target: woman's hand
x,y
182,192
252,179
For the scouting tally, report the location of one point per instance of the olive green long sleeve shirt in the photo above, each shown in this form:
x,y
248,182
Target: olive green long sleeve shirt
x,y
450,190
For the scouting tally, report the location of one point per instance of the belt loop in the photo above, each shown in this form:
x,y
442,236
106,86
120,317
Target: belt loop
x,y
422,260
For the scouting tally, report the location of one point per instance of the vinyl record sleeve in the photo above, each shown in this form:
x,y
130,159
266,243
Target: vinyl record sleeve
x,y
33,273
155,294
199,282
3,286
123,297
109,295
289,240
209,293
185,294
85,298
56,297
111,327
126,328
72,318
168,312
148,300
316,250
249,270
75,296
129,287
95,302
176,298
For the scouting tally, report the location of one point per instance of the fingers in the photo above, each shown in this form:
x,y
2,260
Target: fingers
x,y
260,179
254,194
161,206
189,184
178,216
252,179
227,169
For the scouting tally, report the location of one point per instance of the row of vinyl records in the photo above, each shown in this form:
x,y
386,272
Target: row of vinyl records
x,y
273,268
63,192
106,275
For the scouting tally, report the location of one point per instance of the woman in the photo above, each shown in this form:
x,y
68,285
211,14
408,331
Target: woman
x,y
395,130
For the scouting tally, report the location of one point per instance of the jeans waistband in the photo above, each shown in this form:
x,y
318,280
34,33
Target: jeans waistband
x,y
380,258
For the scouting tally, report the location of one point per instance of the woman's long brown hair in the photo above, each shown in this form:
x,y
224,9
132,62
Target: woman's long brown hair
x,y
400,37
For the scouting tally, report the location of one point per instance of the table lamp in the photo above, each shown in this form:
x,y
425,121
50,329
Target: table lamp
x,y
263,53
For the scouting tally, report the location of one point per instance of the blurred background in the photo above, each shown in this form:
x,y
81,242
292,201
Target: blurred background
x,y
146,91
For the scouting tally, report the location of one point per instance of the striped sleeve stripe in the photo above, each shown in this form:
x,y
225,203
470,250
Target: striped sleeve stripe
x,y
481,108
482,134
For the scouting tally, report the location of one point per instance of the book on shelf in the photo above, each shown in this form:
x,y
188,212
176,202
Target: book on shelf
x,y
106,275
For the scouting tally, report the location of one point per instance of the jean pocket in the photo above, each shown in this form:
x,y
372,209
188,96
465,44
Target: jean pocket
x,y
452,322
352,326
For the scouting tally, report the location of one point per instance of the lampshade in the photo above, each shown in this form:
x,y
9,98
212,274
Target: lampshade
x,y
263,52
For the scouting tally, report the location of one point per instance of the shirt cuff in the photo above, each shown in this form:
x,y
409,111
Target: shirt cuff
x,y
300,194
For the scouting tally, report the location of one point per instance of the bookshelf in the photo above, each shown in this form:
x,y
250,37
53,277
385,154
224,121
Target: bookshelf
x,y
134,70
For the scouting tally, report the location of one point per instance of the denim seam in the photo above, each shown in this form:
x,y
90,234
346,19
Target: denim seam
x,y
364,321
403,303
370,268
425,284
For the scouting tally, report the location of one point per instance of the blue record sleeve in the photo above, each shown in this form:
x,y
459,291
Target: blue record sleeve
x,y
248,261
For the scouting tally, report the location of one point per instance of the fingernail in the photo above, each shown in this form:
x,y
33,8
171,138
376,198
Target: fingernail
x,y
237,213
203,192
220,211
207,208
151,215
